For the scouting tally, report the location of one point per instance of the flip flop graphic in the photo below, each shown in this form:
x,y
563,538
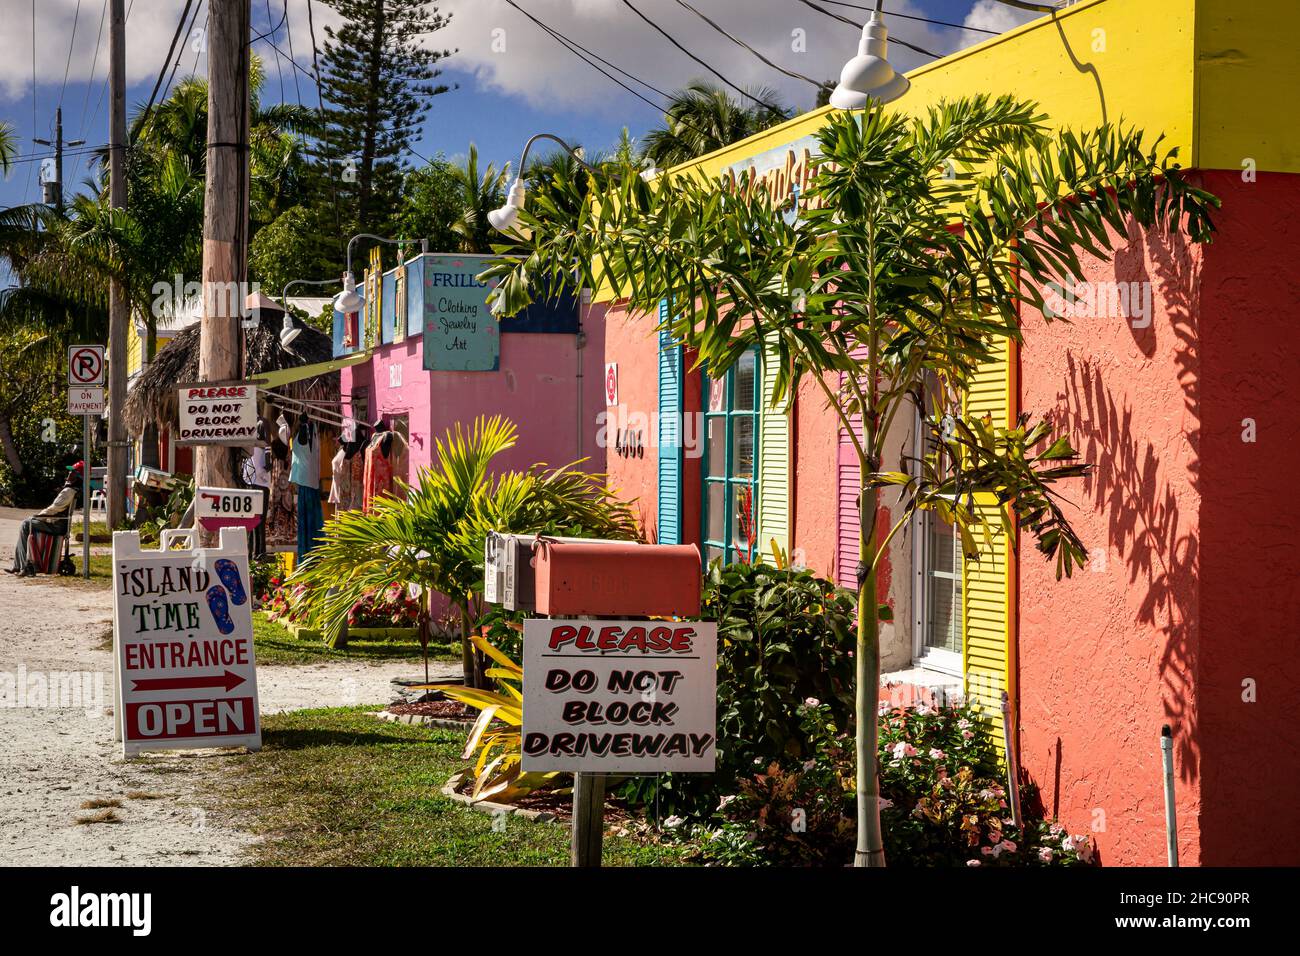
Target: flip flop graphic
x,y
220,609
229,575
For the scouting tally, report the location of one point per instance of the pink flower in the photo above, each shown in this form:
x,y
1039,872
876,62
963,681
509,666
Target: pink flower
x,y
967,735
811,702
1045,854
963,724
884,802
1009,846
903,749
937,754
974,863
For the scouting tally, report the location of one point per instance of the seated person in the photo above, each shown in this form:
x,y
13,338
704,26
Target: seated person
x,y
53,520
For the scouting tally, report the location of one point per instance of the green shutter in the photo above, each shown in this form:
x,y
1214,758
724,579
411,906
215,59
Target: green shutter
x,y
773,461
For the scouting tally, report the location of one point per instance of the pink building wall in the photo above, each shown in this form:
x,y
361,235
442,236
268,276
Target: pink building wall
x,y
537,386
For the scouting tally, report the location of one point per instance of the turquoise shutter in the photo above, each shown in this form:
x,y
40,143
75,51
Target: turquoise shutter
x,y
669,438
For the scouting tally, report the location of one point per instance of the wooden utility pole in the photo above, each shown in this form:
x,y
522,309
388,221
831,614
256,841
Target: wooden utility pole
x,y
225,219
118,316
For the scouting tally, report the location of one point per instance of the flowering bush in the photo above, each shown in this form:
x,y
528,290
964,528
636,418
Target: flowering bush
x,y
942,801
391,606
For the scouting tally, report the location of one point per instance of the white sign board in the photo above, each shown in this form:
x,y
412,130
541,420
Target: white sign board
x,y
620,696
85,365
217,414
183,646
85,401
228,507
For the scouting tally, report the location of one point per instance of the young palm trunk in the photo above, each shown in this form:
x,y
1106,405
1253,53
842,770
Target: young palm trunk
x,y
871,850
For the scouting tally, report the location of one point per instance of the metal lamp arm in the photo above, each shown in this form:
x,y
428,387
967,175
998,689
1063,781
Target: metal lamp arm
x,y
284,293
572,151
424,244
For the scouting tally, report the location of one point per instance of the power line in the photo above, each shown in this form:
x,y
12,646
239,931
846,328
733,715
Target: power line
x,y
669,37
144,119
853,23
278,71
28,185
90,85
570,44
909,16
72,42
734,39
180,53
288,30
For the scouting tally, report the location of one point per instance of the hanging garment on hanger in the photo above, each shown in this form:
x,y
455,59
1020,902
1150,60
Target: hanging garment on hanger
x,y
341,486
378,474
304,451
281,510
310,520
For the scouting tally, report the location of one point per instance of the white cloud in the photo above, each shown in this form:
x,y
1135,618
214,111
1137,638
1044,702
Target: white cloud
x,y
536,67
995,16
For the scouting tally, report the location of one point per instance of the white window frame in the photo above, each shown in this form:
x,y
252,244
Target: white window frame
x,y
930,658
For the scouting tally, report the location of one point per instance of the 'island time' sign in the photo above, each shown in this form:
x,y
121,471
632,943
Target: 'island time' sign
x,y
460,332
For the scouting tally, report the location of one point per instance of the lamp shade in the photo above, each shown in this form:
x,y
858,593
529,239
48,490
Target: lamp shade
x,y
288,331
869,74
504,219
348,300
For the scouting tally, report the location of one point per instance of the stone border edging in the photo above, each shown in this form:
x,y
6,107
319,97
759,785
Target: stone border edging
x,y
442,723
487,806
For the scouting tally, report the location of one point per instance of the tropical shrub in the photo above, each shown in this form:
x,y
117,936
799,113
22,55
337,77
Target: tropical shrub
x,y
783,636
497,733
434,537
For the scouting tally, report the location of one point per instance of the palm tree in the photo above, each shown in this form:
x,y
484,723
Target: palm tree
x,y
704,117
8,147
923,242
479,195
434,537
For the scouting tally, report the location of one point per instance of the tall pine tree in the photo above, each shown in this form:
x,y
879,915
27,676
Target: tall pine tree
x,y
378,78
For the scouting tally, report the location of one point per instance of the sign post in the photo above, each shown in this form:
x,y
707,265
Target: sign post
x,y
626,696
85,398
184,669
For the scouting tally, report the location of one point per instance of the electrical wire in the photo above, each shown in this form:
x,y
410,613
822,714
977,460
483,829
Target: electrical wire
x,y
737,40
288,31
90,85
570,44
671,39
28,185
162,72
909,16
72,42
180,53
278,71
853,23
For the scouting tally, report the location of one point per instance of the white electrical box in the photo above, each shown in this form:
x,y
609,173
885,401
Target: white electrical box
x,y
508,571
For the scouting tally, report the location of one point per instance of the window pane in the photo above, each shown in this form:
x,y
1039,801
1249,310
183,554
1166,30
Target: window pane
x,y
941,545
717,446
746,373
717,506
711,553
742,508
742,446
944,615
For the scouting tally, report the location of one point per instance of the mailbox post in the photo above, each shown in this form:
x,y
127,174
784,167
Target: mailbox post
x,y
612,684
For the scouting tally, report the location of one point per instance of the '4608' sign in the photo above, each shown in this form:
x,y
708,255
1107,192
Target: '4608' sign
x,y
228,507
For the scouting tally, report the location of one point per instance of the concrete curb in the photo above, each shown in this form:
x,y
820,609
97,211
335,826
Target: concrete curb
x,y
442,723
487,806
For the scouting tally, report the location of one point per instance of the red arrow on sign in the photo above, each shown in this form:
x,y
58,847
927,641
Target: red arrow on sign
x,y
229,680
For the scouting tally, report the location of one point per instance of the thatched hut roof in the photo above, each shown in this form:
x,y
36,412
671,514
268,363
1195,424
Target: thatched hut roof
x,y
152,398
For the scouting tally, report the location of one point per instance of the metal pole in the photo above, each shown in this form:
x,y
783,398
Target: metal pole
x,y
588,819
85,496
1013,773
1171,811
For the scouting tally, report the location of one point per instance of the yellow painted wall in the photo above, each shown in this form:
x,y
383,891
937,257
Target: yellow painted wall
x,y
1247,85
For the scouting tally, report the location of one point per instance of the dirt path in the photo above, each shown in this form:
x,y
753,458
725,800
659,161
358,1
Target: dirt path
x,y
57,753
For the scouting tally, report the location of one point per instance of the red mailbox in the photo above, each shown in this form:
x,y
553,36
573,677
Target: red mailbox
x,y
592,577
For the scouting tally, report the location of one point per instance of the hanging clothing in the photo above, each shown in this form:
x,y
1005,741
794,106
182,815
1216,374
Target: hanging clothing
x,y
379,471
341,485
257,468
282,510
310,519
304,452
358,486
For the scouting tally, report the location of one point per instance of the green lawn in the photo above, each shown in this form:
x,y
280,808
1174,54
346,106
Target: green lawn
x,y
101,572
338,788
275,644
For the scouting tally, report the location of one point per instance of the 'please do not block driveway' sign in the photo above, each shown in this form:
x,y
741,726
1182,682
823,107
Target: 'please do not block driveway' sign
x,y
183,646
620,696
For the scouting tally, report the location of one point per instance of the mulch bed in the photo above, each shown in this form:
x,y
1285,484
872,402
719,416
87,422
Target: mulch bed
x,y
444,709
560,804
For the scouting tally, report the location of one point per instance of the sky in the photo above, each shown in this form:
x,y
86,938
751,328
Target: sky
x,y
511,78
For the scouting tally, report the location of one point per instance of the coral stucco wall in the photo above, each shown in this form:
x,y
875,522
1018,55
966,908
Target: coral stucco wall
x,y
1187,592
